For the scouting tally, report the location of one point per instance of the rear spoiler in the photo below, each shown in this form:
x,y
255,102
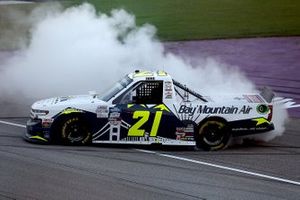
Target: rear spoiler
x,y
267,94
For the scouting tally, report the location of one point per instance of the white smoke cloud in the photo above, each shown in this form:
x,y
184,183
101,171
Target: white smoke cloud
x,y
76,50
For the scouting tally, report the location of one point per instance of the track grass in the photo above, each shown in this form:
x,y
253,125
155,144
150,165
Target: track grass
x,y
210,19
180,19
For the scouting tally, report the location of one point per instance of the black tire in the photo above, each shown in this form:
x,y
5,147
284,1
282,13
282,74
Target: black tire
x,y
74,131
213,135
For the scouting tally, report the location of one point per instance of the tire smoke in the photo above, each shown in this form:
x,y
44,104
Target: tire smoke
x,y
76,50
280,118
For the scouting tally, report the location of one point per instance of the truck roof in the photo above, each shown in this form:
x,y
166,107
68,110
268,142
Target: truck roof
x,y
163,76
149,75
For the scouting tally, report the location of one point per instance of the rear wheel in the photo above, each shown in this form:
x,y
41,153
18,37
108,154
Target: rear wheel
x,y
213,135
74,131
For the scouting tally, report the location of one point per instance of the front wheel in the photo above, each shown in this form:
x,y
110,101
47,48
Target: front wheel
x,y
213,135
74,131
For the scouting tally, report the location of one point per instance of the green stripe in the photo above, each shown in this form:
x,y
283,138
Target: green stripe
x,y
39,138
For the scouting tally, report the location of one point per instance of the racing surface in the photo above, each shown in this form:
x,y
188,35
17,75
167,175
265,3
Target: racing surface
x,y
30,171
250,171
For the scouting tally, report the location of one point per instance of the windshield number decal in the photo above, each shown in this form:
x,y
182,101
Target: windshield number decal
x,y
144,117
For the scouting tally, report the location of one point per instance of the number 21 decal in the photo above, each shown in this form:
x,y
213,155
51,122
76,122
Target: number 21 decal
x,y
144,117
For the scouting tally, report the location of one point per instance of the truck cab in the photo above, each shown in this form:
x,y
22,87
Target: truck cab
x,y
141,105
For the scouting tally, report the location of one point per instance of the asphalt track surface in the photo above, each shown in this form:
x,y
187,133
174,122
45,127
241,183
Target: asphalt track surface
x,y
253,171
249,171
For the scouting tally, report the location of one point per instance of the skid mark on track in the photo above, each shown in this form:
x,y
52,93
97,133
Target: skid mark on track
x,y
222,167
12,124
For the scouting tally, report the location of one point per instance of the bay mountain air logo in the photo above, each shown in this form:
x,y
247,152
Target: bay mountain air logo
x,y
191,110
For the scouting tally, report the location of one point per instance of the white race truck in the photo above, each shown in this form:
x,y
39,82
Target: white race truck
x,y
148,107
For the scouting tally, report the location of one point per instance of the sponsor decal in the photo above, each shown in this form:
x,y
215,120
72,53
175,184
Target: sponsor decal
x,y
114,118
191,110
102,112
250,129
168,95
71,110
187,110
46,123
262,109
62,99
168,90
115,109
254,99
185,133
245,110
240,129
168,86
147,139
150,78
114,115
143,74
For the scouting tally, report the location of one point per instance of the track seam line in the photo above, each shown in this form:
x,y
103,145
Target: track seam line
x,y
12,124
222,167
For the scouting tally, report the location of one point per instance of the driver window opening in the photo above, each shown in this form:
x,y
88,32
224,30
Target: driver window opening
x,y
145,92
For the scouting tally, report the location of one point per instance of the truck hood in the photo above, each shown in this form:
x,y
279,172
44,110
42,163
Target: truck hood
x,y
86,102
78,99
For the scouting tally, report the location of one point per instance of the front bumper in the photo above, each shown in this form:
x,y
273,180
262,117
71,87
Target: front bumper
x,y
36,133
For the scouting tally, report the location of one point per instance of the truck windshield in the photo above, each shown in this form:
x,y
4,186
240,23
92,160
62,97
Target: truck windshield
x,y
120,85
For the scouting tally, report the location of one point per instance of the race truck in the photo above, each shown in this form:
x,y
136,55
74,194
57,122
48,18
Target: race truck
x,y
147,107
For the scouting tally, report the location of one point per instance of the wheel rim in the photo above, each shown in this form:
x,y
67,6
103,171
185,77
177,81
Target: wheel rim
x,y
75,132
213,133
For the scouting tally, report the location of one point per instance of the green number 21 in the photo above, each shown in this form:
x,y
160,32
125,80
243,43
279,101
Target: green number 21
x,y
144,116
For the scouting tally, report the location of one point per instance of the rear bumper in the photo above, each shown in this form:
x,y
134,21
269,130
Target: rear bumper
x,y
251,126
35,133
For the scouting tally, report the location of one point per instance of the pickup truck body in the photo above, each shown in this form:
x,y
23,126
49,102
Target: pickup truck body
x,y
149,108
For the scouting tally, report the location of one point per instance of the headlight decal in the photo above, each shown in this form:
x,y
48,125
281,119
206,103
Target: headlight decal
x,y
39,112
